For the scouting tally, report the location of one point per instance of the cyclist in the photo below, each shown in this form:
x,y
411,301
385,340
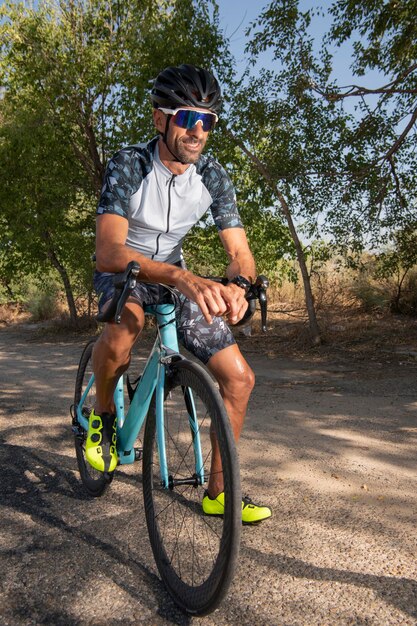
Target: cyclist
x,y
152,195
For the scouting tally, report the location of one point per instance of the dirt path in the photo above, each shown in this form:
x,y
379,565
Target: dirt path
x,y
330,444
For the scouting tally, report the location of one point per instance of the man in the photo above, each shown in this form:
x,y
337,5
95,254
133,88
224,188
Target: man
x,y
152,196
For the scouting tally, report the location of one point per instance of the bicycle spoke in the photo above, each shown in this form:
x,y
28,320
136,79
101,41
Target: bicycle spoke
x,y
195,553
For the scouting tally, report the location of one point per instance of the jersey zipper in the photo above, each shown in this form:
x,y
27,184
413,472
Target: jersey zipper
x,y
171,183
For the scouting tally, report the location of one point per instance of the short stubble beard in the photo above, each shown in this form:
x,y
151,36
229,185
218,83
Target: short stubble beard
x,y
183,154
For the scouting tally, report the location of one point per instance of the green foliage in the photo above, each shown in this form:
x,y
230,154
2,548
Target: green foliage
x,y
267,237
348,176
46,212
381,162
203,252
387,33
89,65
42,300
318,253
77,78
397,265
401,256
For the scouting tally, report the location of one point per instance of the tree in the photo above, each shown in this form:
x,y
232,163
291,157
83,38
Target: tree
x,y
47,211
91,64
287,135
330,172
77,77
381,163
397,262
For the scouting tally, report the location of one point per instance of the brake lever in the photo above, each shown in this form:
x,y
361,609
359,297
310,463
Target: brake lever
x,y
129,279
124,283
261,285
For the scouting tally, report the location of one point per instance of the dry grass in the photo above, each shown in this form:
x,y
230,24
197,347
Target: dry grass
x,y
13,314
345,333
347,323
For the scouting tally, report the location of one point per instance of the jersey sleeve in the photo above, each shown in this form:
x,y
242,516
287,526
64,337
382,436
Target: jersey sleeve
x,y
120,180
223,208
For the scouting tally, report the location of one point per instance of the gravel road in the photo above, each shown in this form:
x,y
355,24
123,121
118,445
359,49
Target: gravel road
x,y
329,443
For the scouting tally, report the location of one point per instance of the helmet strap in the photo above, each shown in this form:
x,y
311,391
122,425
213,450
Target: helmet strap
x,y
165,140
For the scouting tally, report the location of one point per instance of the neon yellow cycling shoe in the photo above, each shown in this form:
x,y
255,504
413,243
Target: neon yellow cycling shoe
x,y
251,513
100,447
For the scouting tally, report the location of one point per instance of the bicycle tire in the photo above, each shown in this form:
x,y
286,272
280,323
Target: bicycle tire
x,y
195,554
95,482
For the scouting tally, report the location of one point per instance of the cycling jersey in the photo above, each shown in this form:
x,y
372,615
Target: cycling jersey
x,y
162,207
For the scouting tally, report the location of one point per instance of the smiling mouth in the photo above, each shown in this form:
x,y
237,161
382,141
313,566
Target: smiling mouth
x,y
192,144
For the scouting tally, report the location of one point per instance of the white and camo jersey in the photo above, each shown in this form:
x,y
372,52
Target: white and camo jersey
x,y
162,207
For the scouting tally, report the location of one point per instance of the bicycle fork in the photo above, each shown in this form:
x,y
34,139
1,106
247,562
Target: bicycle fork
x,y
198,478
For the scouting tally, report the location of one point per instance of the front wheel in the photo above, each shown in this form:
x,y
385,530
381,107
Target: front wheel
x,y
95,482
195,554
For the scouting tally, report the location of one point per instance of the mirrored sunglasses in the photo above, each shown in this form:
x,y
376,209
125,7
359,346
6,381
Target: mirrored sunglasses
x,y
187,118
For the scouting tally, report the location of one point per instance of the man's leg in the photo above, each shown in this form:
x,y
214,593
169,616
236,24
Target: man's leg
x,y
236,381
215,346
111,354
111,358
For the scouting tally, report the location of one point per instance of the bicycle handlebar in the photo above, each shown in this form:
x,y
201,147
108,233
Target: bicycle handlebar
x,y
257,291
125,282
260,287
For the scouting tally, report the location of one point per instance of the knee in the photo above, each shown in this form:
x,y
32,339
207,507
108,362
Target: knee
x,y
116,341
240,383
116,348
249,379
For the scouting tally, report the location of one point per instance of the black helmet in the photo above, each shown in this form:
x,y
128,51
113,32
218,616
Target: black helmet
x,y
186,85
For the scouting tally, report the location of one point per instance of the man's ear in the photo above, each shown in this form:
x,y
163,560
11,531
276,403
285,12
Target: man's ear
x,y
159,120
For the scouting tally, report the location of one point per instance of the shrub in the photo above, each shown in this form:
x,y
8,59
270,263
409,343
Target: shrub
x,y
42,302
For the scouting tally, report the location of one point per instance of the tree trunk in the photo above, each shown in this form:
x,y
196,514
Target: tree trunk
x,y
65,279
395,308
9,290
309,299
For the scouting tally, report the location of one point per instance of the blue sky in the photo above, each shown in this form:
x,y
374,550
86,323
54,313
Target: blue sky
x,y
236,16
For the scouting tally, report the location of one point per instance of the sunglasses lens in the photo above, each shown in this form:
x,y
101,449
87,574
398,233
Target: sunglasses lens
x,y
188,119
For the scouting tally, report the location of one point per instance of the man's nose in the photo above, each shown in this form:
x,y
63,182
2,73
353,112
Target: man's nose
x,y
197,130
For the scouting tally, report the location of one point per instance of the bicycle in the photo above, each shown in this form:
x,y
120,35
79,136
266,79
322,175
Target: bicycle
x,y
179,404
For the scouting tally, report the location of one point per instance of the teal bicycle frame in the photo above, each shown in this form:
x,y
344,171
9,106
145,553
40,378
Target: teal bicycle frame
x,y
165,351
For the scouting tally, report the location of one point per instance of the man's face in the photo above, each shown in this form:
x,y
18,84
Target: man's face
x,y
186,144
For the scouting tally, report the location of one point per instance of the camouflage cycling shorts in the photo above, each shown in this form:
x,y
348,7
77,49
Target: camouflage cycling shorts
x,y
194,333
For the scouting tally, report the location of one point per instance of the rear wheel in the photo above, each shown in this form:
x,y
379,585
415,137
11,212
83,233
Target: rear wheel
x,y
95,482
195,554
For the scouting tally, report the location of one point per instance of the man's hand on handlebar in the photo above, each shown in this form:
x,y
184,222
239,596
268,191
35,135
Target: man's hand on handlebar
x,y
230,299
239,304
213,298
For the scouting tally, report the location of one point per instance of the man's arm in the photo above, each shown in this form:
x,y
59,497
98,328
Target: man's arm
x,y
241,262
112,255
240,257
